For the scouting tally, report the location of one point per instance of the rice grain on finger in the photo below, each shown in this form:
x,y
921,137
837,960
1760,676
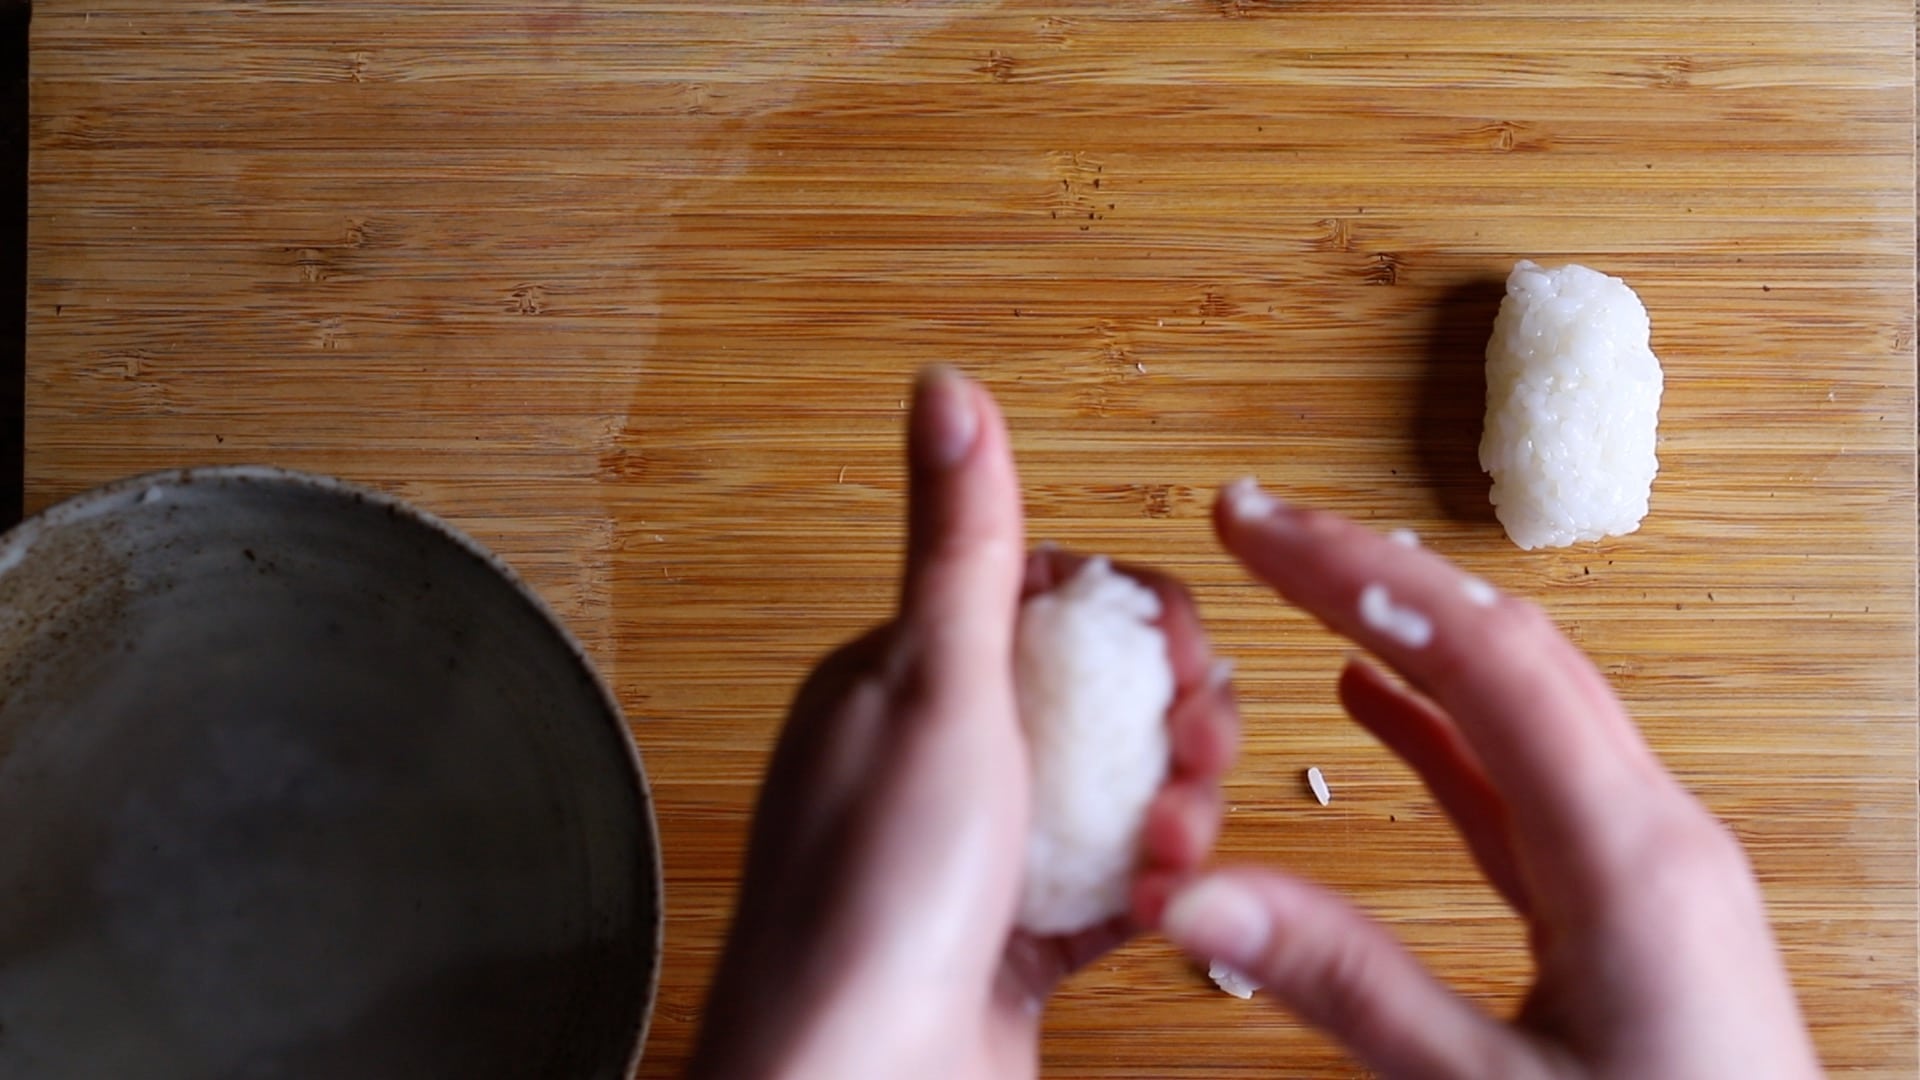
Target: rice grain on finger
x,y
1233,982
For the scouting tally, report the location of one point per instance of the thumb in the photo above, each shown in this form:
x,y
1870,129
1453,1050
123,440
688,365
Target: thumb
x,y
1342,972
965,545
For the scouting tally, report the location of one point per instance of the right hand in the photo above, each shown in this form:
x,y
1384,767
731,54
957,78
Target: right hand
x,y
1652,950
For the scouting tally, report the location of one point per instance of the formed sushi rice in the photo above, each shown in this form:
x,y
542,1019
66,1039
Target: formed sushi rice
x,y
1573,399
1094,684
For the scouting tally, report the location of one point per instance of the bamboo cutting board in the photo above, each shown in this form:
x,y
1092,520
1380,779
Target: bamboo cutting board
x,y
632,290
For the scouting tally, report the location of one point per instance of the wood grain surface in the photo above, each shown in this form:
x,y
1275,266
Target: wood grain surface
x,y
632,290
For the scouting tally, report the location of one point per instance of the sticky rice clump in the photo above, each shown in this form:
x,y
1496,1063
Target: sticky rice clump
x,y
1094,684
1573,399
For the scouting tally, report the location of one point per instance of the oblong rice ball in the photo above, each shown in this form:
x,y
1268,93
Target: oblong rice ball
x,y
1094,685
1573,401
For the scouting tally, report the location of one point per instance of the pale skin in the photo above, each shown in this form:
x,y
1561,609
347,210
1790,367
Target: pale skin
x,y
875,937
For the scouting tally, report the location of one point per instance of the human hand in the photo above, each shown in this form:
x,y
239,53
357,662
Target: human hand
x,y
874,931
1653,953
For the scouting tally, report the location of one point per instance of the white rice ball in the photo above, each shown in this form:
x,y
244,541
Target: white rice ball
x,y
1573,398
1094,684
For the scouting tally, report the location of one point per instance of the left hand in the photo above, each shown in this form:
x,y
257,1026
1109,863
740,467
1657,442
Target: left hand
x,y
874,932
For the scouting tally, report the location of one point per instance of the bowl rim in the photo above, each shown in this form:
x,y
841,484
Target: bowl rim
x,y
128,492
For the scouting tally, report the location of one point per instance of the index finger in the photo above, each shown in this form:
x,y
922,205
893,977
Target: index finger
x,y
1554,740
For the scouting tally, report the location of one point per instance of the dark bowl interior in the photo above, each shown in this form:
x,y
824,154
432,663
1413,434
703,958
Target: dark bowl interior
x,y
297,782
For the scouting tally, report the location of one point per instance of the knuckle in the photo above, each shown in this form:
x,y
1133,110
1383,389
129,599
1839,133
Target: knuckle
x,y
1518,631
1680,858
843,668
1691,836
980,543
1174,593
1342,979
1516,638
1324,525
1712,847
906,679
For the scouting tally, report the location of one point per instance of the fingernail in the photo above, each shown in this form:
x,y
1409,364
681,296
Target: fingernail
x,y
1219,675
1220,920
1246,502
945,420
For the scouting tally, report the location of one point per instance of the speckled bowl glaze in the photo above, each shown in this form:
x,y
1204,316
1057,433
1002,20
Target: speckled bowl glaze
x,y
297,781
